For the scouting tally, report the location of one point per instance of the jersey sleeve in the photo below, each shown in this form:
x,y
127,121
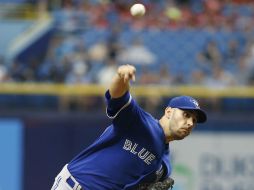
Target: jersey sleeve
x,y
116,105
128,117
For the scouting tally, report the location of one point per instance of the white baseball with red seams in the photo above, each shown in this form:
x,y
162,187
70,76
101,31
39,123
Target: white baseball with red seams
x,y
137,9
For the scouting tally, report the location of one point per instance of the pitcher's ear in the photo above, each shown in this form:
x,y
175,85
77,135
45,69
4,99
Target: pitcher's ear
x,y
168,111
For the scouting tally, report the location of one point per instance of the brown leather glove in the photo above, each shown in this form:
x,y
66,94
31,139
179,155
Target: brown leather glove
x,y
162,185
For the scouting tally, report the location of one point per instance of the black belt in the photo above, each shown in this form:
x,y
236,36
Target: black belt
x,y
72,184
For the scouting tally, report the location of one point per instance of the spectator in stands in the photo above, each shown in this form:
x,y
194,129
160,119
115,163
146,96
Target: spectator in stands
x,y
210,56
245,72
137,54
77,75
78,64
4,74
165,77
62,69
16,70
114,45
220,78
47,71
197,78
148,76
97,53
105,74
232,55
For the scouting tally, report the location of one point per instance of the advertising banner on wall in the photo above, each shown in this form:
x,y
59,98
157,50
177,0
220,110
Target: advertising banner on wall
x,y
11,159
214,161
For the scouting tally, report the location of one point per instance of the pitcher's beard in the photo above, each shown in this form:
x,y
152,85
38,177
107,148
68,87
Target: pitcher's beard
x,y
178,136
175,135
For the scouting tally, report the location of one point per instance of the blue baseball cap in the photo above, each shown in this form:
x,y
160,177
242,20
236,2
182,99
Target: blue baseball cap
x,y
188,103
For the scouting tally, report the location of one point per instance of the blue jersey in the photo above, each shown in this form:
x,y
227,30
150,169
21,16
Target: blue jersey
x,y
130,153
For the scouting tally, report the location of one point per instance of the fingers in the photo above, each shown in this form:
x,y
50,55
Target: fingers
x,y
127,73
133,77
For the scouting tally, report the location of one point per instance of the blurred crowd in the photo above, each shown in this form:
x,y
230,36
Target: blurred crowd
x,y
74,56
177,42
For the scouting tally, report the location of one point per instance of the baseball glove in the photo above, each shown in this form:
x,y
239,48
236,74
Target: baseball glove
x,y
166,184
162,185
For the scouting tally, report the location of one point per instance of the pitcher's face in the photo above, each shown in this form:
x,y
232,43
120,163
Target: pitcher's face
x,y
181,123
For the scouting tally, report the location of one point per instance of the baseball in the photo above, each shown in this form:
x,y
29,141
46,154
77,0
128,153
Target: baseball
x,y
138,9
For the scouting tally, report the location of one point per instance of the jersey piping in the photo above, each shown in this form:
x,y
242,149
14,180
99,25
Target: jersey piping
x,y
124,106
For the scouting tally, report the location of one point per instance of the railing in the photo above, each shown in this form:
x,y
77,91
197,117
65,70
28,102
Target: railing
x,y
144,91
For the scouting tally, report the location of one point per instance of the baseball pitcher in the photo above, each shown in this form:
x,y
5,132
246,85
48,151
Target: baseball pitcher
x,y
133,152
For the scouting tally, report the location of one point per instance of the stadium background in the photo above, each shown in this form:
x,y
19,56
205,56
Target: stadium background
x,y
58,56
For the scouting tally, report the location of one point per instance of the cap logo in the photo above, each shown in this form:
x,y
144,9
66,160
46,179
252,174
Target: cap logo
x,y
195,103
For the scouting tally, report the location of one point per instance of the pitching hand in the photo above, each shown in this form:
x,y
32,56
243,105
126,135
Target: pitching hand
x,y
127,73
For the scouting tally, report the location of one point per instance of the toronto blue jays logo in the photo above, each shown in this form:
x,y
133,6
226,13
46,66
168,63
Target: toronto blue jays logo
x,y
195,103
